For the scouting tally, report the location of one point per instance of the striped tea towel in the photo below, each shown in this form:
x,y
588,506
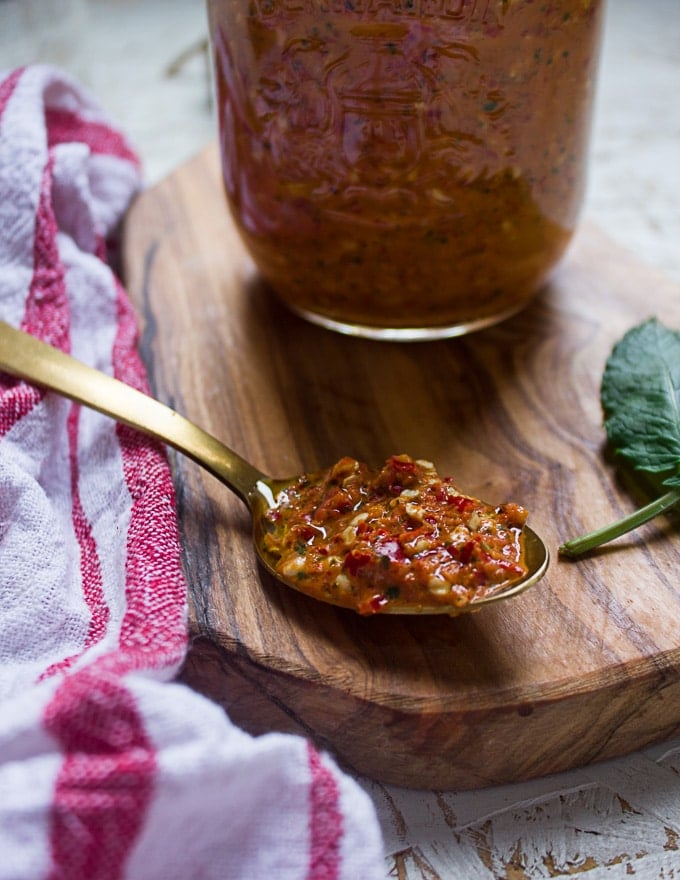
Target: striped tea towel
x,y
108,769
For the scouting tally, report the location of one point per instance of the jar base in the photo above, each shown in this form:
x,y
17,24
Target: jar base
x,y
406,334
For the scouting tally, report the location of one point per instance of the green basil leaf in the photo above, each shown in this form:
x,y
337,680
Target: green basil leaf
x,y
640,395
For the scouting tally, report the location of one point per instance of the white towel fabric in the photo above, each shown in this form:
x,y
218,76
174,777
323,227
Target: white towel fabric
x,y
108,769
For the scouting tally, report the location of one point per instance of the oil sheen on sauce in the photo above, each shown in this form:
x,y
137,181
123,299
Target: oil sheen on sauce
x,y
397,537
399,163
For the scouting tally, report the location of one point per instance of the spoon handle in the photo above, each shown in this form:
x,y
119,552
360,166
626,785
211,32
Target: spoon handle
x,y
26,357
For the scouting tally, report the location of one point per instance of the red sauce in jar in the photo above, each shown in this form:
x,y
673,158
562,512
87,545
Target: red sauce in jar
x,y
397,537
405,163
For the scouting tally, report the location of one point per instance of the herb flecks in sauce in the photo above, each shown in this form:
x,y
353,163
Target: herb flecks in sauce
x,y
400,536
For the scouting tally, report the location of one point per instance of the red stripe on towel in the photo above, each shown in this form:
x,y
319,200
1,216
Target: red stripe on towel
x,y
325,821
7,87
90,566
155,623
106,780
46,313
64,126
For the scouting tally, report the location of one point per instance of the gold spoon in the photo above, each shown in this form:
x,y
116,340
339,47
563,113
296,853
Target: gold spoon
x,y
25,357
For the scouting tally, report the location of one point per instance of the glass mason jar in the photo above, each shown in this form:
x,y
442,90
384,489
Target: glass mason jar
x,y
405,169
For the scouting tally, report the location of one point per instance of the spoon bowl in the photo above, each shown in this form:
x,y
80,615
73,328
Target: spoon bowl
x,y
25,357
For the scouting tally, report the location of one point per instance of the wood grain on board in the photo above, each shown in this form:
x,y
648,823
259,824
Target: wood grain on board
x,y
584,666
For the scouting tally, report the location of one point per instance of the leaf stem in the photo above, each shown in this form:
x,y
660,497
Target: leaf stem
x,y
577,546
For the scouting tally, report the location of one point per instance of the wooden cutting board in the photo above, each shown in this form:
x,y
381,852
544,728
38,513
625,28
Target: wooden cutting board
x,y
583,667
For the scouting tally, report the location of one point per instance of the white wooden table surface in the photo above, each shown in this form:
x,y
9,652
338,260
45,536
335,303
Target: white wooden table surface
x,y
615,820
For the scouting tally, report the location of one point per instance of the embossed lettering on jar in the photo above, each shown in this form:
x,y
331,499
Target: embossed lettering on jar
x,y
414,166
